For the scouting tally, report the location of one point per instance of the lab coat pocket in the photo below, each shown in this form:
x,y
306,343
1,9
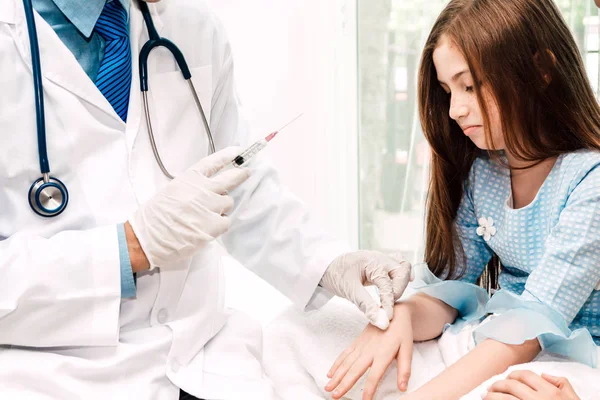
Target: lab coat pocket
x,y
177,122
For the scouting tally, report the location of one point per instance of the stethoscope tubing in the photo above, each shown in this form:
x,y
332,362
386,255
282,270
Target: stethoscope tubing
x,y
38,87
48,196
154,41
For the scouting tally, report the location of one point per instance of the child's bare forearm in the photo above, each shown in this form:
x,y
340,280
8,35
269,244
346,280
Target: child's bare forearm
x,y
429,315
488,359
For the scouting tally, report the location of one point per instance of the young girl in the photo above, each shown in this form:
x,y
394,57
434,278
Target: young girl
x,y
514,129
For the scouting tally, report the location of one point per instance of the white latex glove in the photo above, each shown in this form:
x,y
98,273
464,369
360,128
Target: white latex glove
x,y
190,211
348,275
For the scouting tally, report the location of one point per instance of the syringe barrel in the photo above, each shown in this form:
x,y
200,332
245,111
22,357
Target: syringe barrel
x,y
245,156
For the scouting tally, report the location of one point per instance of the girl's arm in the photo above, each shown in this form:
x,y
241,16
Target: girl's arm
x,y
488,359
428,316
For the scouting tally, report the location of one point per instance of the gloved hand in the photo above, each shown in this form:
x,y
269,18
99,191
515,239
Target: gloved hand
x,y
348,275
188,212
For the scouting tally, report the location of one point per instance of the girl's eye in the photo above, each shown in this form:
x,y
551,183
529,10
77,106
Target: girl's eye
x,y
469,88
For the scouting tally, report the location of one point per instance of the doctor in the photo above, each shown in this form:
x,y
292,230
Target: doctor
x,y
74,322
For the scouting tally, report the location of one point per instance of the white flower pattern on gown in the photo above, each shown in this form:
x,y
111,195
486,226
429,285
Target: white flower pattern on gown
x,y
486,228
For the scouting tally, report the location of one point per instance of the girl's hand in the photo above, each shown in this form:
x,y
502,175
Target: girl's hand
x,y
527,385
375,349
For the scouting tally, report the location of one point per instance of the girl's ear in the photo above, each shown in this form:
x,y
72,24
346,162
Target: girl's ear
x,y
545,63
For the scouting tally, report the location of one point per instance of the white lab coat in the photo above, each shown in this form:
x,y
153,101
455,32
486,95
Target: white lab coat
x,y
64,329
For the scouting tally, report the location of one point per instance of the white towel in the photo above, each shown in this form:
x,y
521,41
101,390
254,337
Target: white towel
x,y
299,349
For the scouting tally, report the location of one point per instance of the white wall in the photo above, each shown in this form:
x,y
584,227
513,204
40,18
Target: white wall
x,y
291,57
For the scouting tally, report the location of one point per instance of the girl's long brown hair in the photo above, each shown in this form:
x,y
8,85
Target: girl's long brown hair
x,y
522,53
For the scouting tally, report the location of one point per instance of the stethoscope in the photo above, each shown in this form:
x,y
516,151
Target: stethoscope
x,y
48,196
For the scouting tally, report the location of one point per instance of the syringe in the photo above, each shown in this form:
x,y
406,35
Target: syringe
x,y
244,157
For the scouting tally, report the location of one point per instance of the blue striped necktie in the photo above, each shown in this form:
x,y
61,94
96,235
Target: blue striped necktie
x,y
114,75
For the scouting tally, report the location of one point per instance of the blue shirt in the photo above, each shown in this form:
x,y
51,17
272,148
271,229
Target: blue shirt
x,y
74,21
550,255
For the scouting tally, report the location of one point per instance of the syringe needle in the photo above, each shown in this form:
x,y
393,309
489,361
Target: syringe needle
x,y
273,134
289,123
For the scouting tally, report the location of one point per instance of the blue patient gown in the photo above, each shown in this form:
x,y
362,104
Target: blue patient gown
x,y
550,254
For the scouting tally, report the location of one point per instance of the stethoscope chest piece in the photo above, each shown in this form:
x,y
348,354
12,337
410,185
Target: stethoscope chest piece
x,y
48,196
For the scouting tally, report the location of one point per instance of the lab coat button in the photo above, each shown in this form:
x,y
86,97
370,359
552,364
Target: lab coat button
x,y
163,316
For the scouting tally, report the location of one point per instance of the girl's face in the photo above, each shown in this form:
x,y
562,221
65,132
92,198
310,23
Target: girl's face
x,y
455,78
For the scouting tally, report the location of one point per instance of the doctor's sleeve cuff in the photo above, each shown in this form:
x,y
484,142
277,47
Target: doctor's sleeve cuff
x,y
520,320
128,288
468,299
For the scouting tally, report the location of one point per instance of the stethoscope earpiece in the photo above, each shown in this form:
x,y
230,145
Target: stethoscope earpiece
x,y
48,196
